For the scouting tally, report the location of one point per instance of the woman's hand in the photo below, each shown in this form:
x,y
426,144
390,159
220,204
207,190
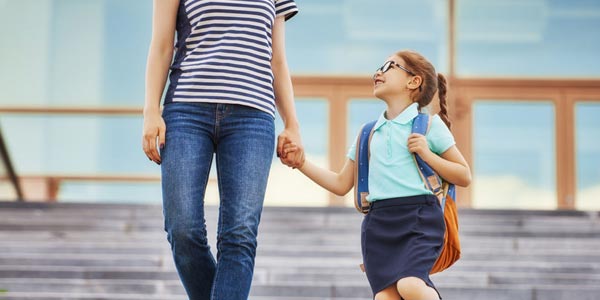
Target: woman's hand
x,y
295,158
288,155
154,127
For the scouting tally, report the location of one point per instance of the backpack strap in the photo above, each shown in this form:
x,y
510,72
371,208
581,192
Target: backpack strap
x,y
361,176
432,180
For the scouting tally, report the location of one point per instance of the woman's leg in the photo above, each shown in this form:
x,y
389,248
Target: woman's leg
x,y
245,147
414,288
186,160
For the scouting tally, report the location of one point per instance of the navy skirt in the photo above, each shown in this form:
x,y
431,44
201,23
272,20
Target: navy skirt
x,y
401,237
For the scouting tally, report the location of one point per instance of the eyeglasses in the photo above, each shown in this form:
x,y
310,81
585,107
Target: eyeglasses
x,y
388,65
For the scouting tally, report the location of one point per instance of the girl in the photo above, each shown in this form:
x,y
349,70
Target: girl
x,y
228,74
403,232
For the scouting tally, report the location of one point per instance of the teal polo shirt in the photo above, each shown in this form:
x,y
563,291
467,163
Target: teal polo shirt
x,y
392,169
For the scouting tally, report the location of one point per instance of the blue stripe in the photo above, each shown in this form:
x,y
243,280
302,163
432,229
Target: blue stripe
x,y
222,18
264,45
223,32
221,91
228,11
257,57
236,73
235,59
208,84
225,3
263,51
268,87
288,11
228,25
211,65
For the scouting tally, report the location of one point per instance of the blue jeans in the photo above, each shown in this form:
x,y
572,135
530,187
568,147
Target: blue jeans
x,y
243,139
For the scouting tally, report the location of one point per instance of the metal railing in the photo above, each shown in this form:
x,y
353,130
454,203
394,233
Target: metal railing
x,y
8,170
339,91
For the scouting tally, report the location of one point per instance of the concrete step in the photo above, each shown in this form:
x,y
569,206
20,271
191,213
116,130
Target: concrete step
x,y
83,251
308,276
350,249
169,290
473,261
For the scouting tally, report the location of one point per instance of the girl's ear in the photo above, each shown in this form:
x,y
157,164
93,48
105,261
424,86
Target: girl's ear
x,y
414,82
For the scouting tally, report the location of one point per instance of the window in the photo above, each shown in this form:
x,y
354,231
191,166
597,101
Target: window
x,y
544,38
587,151
514,155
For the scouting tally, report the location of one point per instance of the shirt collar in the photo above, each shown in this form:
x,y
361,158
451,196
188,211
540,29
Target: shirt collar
x,y
407,115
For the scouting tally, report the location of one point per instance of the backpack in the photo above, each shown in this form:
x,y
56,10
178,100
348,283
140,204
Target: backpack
x,y
444,191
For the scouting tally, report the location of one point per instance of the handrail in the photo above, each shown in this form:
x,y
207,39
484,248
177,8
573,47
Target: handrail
x,y
51,182
62,110
338,91
9,169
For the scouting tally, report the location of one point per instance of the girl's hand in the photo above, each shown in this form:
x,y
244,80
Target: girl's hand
x,y
291,135
154,127
417,143
292,155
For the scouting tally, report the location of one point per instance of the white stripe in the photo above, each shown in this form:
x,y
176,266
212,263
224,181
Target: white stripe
x,y
239,46
198,72
238,43
219,87
258,20
222,5
283,9
259,40
200,58
191,10
201,81
235,23
196,53
241,63
219,25
242,73
259,83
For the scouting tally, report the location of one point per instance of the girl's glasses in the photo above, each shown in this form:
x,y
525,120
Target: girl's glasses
x,y
388,65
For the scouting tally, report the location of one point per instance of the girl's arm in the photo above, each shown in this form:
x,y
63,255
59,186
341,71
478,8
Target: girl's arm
x,y
284,94
159,60
337,183
451,165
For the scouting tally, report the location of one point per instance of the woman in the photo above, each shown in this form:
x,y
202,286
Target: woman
x,y
228,75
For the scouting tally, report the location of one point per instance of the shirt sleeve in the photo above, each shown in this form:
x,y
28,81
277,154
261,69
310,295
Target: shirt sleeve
x,y
285,8
439,136
352,151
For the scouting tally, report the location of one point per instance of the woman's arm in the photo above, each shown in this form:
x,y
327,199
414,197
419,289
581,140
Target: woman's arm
x,y
160,56
451,165
284,94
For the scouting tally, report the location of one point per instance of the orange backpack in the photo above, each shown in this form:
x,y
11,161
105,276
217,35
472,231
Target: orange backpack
x,y
445,191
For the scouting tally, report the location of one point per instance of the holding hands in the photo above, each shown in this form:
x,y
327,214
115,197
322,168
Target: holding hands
x,y
289,149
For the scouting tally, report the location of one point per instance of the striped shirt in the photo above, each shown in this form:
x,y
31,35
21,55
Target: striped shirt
x,y
224,50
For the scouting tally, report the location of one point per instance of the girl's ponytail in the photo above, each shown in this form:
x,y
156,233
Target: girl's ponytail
x,y
442,88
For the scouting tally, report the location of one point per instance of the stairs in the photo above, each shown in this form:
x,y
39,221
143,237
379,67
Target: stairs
x,y
118,252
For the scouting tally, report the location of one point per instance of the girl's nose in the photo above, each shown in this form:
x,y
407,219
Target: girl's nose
x,y
378,72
